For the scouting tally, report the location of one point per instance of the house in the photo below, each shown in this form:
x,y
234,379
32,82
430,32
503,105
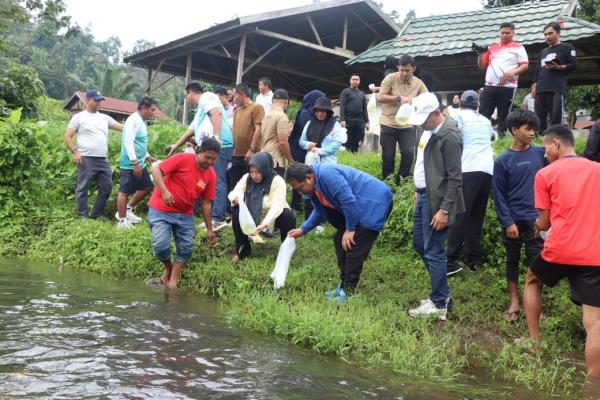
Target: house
x,y
116,108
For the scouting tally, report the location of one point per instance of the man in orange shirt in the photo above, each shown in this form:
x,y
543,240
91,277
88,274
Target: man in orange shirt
x,y
566,196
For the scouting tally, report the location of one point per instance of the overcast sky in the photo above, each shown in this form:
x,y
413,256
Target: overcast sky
x,y
164,21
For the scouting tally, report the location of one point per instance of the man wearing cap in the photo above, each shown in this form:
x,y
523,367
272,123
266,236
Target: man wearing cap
x,y
210,120
397,89
438,197
477,168
504,62
275,130
91,153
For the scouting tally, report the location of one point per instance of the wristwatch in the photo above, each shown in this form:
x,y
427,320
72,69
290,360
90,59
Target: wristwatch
x,y
444,211
398,99
253,149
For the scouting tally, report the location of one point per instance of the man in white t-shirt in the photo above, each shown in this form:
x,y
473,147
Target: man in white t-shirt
x,y
265,97
477,163
90,154
504,62
210,120
529,102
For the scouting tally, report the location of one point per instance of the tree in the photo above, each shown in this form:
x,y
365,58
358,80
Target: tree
x,y
49,14
113,82
505,3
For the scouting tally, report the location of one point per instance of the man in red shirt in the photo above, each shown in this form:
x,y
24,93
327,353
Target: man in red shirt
x,y
566,196
181,180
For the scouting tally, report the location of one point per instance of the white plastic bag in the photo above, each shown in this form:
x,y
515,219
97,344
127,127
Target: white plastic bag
x,y
312,158
246,221
286,251
404,112
372,104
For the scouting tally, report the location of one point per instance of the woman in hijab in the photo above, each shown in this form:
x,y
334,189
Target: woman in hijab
x,y
298,153
322,135
264,192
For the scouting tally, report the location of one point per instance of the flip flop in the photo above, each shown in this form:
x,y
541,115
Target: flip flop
x,y
512,316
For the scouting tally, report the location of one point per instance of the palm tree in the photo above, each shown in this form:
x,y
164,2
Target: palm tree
x,y
113,82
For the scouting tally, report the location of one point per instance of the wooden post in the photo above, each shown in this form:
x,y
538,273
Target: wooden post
x,y
345,34
149,83
240,66
188,76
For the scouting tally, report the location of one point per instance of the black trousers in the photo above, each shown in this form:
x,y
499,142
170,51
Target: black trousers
x,y
493,97
285,223
533,247
238,168
356,134
406,138
467,227
549,107
351,262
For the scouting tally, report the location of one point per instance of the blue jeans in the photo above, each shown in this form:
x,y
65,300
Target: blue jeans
x,y
219,206
183,227
430,246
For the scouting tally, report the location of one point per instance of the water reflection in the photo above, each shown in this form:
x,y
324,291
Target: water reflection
x,y
76,335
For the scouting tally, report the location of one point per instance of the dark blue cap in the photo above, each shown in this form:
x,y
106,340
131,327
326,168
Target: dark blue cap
x,y
94,94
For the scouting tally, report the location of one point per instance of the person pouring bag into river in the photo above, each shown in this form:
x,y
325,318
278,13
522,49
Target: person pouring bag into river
x,y
355,203
264,192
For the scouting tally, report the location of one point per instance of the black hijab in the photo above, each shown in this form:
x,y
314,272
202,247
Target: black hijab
x,y
256,191
317,130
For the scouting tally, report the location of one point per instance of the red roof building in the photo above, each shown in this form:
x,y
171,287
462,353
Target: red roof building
x,y
116,108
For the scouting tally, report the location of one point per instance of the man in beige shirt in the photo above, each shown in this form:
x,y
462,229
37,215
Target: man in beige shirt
x,y
275,132
247,120
396,89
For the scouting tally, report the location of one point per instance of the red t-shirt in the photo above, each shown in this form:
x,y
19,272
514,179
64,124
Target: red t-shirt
x,y
570,189
186,182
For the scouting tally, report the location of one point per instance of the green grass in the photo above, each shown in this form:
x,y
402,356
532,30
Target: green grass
x,y
373,328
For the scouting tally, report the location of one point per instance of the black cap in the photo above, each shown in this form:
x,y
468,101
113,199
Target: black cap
x,y
280,94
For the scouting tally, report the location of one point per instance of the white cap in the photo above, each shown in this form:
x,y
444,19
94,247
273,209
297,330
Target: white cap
x,y
423,105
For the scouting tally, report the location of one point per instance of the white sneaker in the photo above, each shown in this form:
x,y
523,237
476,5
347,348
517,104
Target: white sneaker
x,y
428,308
130,216
216,225
124,224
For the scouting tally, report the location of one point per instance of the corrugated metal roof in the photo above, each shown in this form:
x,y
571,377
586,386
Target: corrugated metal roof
x,y
453,33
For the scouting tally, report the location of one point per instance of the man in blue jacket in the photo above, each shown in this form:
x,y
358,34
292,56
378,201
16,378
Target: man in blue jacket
x,y
355,203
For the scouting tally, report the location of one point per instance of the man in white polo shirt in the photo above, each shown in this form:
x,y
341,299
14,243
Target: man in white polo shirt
x,y
91,152
504,62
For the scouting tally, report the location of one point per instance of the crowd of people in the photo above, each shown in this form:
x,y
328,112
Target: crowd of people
x,y
244,153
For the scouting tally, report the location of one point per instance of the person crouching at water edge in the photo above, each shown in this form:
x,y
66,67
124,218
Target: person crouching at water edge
x,y
355,203
180,181
264,192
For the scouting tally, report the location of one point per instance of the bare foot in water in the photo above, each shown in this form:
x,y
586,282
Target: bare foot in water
x,y
171,285
164,279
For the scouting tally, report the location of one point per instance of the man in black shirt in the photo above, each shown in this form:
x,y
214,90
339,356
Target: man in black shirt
x,y
592,146
353,113
550,86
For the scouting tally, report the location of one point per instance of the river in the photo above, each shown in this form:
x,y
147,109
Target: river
x,y
68,334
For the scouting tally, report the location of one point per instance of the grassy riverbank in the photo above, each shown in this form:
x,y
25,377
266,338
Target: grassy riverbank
x,y
373,327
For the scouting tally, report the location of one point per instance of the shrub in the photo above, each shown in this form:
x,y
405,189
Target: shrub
x,y
20,87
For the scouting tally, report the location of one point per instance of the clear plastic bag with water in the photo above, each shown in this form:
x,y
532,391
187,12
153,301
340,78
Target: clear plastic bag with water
x,y
403,114
286,251
312,158
372,104
246,221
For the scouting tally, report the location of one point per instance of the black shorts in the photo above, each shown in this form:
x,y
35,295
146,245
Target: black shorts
x,y
584,281
130,184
